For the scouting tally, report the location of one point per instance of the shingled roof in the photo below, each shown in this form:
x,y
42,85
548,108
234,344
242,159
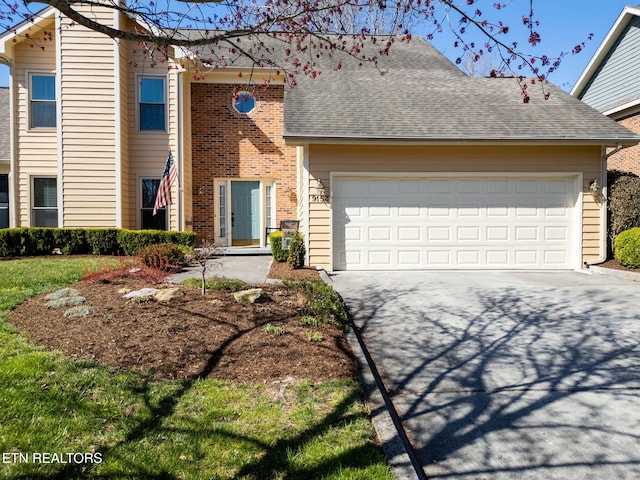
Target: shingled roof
x,y
424,97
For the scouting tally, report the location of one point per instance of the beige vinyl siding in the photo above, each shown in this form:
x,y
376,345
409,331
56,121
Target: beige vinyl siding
x,y
325,159
128,201
147,151
87,86
186,155
37,148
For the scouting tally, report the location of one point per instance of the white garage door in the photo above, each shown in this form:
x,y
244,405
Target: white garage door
x,y
415,223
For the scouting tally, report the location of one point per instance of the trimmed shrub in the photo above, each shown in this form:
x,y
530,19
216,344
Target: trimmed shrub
x,y
131,241
275,239
11,240
164,256
42,241
297,252
102,240
70,240
624,202
185,239
627,248
38,241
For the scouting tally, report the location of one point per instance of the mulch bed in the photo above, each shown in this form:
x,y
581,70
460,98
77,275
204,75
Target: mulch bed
x,y
615,264
282,270
194,336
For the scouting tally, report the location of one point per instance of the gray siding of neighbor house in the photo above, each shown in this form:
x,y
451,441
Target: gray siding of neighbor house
x,y
616,81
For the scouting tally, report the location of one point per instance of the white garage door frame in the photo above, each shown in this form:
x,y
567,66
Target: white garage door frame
x,y
576,219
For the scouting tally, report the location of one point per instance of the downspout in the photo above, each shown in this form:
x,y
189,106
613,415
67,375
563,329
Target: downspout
x,y
603,215
59,106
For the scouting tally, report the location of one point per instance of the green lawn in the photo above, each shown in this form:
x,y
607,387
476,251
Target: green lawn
x,y
129,427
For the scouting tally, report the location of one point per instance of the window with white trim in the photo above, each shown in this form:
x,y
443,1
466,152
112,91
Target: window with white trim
x,y
149,221
152,104
42,101
44,209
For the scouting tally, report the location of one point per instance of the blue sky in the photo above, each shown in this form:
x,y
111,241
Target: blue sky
x,y
564,23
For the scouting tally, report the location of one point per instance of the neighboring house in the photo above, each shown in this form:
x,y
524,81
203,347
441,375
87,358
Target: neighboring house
x,y
610,83
5,155
422,167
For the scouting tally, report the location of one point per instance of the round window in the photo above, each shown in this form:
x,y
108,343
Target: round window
x,y
244,102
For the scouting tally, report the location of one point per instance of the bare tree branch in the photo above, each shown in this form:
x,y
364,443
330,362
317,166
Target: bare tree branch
x,y
303,31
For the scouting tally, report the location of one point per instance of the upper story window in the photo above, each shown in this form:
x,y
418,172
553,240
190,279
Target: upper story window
x,y
42,101
152,107
244,102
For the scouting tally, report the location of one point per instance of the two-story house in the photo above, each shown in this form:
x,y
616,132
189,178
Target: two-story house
x,y
422,167
93,122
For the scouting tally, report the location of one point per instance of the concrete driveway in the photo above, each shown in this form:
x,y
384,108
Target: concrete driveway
x,y
502,375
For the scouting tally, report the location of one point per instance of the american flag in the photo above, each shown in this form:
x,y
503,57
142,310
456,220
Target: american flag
x,y
163,198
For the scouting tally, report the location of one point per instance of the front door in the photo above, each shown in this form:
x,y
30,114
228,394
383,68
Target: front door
x,y
245,213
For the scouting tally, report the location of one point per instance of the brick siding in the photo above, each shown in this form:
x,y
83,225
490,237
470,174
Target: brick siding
x,y
227,144
628,159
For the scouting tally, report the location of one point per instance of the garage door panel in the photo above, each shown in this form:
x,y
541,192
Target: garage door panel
x,y
468,234
409,258
498,258
497,210
438,211
379,234
559,233
498,234
497,186
452,223
410,234
435,234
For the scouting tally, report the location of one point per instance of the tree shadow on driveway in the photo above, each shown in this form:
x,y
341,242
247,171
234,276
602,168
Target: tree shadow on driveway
x,y
529,381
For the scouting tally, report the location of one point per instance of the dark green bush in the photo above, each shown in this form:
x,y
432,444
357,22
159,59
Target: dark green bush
x,y
38,241
102,240
297,252
627,248
165,256
42,241
624,202
70,240
185,239
11,241
131,241
275,239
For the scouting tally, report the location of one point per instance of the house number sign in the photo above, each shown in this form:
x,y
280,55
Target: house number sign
x,y
319,198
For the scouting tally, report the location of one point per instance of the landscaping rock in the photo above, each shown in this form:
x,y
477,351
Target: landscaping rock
x,y
65,302
78,311
124,290
167,295
252,295
144,292
63,292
